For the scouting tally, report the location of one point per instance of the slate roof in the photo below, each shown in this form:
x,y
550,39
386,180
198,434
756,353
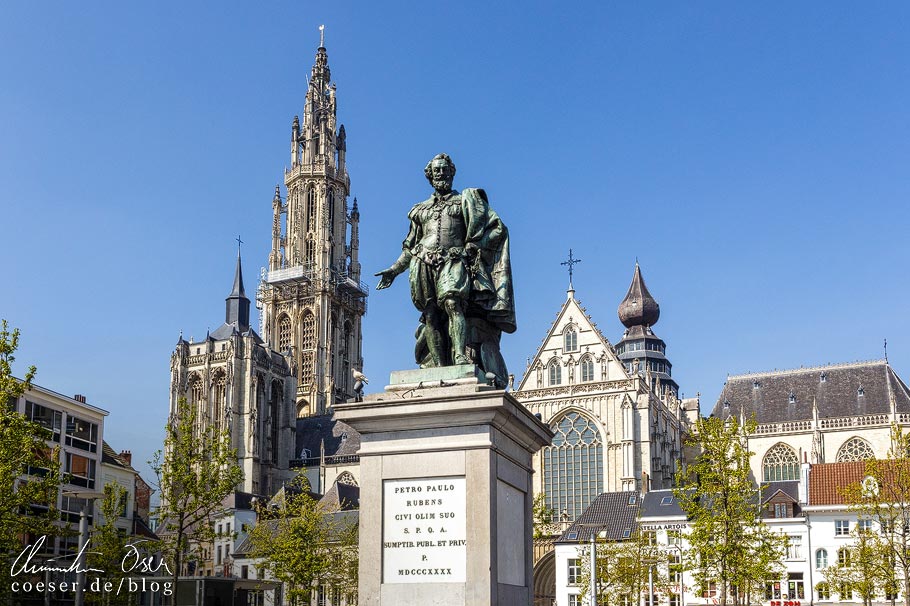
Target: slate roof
x,y
110,456
611,513
788,395
789,488
339,519
343,497
660,504
227,329
340,438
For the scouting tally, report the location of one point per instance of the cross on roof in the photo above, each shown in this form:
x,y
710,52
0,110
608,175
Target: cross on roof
x,y
570,263
239,242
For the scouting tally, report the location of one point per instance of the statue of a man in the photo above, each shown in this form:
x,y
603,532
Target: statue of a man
x,y
457,251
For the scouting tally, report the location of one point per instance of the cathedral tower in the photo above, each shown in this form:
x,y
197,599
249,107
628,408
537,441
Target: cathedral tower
x,y
311,296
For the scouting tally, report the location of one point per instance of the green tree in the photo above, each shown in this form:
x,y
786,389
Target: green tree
x,y
543,516
883,497
108,546
729,543
29,468
195,473
626,570
860,568
301,544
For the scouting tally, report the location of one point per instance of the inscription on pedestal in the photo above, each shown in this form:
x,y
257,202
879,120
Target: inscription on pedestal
x,y
424,536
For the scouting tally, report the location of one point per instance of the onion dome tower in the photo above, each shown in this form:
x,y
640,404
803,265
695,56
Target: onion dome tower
x,y
640,350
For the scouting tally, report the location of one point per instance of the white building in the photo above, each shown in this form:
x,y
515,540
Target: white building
x,y
811,511
77,428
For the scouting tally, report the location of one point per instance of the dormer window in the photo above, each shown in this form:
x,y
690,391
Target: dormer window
x,y
860,391
792,398
755,384
823,377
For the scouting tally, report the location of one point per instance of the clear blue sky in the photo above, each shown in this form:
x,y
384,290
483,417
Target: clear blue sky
x,y
753,156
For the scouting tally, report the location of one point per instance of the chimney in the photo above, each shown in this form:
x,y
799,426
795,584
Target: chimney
x,y
126,456
79,398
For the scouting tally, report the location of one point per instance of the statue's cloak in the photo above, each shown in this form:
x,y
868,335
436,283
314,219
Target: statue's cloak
x,y
491,286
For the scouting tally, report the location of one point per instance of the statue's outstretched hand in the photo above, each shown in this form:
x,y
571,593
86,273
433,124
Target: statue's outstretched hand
x,y
388,276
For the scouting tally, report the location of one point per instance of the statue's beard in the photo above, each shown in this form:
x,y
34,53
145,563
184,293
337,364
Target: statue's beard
x,y
442,184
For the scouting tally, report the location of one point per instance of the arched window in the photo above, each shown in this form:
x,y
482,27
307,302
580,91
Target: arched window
x,y
309,256
284,334
780,463
587,369
307,345
555,373
570,339
347,356
573,465
855,449
346,477
821,559
311,210
843,557
331,217
218,387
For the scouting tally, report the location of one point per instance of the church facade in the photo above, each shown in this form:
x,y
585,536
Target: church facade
x,y
615,410
237,383
311,298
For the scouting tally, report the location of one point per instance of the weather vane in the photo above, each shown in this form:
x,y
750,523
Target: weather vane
x,y
570,263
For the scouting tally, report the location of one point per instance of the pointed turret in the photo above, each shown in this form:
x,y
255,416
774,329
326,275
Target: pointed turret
x,y
237,305
639,308
642,351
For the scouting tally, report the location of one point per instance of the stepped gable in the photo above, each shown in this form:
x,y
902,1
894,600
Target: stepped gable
x,y
339,438
611,513
837,390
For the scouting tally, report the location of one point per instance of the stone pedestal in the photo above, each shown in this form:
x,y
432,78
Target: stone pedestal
x,y
445,491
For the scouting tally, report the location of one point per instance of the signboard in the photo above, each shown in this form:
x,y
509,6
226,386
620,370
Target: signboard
x,y
424,536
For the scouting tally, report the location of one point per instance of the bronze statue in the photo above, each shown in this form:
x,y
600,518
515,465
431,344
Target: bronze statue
x,y
457,251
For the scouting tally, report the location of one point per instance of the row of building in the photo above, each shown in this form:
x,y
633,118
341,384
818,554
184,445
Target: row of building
x,y
811,511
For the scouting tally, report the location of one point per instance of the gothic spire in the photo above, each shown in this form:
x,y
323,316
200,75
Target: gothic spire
x,y
638,308
237,305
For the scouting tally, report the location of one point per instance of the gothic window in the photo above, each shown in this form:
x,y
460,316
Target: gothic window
x,y
307,345
570,339
573,465
555,373
309,256
346,477
218,389
273,422
855,449
347,353
587,369
311,210
330,219
780,463
284,334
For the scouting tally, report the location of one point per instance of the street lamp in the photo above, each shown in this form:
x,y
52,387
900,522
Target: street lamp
x,y
88,499
592,586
